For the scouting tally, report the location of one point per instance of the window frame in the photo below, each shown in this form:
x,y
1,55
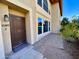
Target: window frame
x,y
43,26
45,5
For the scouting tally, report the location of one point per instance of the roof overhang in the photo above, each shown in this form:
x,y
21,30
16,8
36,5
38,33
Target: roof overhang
x,y
60,4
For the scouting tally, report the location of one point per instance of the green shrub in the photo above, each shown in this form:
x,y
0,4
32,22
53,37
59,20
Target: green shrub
x,y
70,31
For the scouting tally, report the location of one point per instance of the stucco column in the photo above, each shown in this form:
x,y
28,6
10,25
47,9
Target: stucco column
x,y
55,20
5,29
1,44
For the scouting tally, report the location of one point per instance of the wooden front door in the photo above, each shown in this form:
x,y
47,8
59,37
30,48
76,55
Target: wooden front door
x,y
18,32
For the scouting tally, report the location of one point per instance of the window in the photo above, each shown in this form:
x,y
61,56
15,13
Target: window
x,y
45,5
39,2
40,25
45,26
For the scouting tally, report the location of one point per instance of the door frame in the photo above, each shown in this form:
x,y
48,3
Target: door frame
x,y
23,28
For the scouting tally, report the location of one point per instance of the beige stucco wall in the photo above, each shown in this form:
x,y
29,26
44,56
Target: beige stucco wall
x,y
36,9
40,12
5,29
2,55
30,21
31,12
16,12
55,20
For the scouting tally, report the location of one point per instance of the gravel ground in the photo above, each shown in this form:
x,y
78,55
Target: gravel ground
x,y
53,46
72,49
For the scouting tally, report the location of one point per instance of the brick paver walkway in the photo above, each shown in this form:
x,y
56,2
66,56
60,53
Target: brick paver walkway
x,y
52,47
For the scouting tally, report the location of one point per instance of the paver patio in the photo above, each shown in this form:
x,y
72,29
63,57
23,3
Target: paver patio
x,y
52,47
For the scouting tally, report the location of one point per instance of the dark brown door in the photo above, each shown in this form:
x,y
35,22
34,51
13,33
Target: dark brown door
x,y
18,33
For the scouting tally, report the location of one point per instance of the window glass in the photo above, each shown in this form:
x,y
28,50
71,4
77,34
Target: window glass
x,y
40,25
45,5
45,26
39,2
39,30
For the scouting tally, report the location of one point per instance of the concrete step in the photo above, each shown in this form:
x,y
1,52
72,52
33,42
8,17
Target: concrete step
x,y
26,53
44,58
32,55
